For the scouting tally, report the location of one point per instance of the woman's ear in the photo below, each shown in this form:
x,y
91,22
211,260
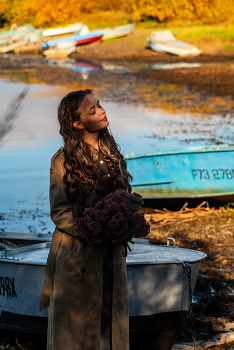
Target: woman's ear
x,y
78,125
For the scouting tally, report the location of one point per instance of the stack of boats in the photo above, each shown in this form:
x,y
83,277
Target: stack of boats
x,y
65,46
63,41
56,42
18,36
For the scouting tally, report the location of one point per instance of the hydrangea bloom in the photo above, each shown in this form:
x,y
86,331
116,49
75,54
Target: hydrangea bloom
x,y
116,216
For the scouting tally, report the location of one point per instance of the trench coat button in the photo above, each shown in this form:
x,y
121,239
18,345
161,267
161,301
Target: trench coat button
x,y
82,270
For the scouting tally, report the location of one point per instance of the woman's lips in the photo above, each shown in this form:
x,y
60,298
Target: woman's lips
x,y
104,119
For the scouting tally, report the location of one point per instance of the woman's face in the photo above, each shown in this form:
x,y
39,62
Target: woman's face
x,y
93,116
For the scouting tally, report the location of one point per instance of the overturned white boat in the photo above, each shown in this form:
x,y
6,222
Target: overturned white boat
x,y
165,42
71,28
159,278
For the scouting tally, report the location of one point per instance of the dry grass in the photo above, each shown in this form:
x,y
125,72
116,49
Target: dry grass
x,y
201,222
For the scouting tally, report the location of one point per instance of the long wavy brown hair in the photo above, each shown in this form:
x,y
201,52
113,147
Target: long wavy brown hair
x,y
83,179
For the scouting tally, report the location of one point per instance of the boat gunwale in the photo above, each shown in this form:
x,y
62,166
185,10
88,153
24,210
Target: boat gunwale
x,y
204,195
46,245
128,263
42,237
196,150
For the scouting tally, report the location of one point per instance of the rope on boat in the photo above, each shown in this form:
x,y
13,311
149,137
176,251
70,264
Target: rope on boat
x,y
190,291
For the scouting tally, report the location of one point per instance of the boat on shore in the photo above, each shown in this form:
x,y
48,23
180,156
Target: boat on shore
x,y
165,42
193,175
16,29
12,42
77,39
118,32
12,46
68,29
158,282
60,50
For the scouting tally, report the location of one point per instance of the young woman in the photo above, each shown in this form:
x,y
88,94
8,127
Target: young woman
x,y
85,287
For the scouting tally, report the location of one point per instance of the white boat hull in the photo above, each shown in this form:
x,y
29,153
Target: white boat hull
x,y
61,50
11,47
157,283
118,32
63,30
172,48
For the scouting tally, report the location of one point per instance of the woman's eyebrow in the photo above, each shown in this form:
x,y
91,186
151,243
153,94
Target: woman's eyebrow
x,y
94,106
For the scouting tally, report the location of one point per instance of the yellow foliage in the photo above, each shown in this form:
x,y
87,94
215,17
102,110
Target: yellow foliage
x,y
212,11
47,12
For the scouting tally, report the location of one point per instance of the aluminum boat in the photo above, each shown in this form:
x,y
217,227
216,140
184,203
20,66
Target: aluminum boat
x,y
157,282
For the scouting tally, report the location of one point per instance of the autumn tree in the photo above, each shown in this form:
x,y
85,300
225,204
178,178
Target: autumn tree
x,y
44,13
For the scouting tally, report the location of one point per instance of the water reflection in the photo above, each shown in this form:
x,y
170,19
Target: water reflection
x,y
117,67
145,116
72,63
137,127
117,81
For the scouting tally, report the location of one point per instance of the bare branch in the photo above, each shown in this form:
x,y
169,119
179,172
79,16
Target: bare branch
x,y
12,113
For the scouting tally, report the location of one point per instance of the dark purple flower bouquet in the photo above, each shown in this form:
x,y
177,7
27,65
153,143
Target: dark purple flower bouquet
x,y
116,216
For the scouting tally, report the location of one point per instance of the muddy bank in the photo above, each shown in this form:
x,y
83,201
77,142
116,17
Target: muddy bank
x,y
215,79
205,89
212,233
21,341
124,51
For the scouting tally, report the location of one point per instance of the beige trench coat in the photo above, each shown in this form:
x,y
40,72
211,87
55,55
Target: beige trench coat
x,y
73,283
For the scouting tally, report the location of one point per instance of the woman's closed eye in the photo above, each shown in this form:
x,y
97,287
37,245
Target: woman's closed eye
x,y
94,111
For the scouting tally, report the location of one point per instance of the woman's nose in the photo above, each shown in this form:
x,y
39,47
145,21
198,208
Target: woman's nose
x,y
101,111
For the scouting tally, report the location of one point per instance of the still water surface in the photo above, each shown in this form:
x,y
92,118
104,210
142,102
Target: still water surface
x,y
140,127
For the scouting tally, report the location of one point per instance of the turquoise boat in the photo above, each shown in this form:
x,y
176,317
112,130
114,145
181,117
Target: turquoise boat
x,y
191,175
78,39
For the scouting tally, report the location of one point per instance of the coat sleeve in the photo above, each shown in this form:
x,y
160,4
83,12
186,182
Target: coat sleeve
x,y
61,210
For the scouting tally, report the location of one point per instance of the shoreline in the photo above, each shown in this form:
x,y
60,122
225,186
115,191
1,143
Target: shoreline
x,y
134,47
121,51
215,76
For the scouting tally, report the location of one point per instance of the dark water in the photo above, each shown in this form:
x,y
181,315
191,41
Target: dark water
x,y
144,116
